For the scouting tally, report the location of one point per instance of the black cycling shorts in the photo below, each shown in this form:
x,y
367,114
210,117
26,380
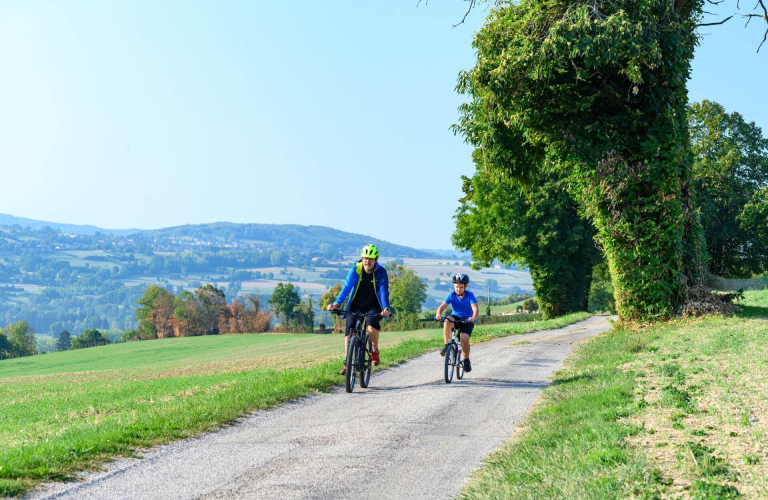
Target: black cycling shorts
x,y
466,327
372,318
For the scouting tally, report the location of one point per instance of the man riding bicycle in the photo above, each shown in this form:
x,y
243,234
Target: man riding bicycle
x,y
464,306
367,285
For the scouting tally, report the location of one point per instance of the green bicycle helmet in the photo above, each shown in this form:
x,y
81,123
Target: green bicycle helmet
x,y
370,252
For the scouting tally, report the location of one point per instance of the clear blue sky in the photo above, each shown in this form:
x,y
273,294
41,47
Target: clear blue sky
x,y
150,114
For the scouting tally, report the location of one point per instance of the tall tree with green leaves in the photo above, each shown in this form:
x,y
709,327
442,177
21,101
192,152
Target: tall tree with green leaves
x,y
754,216
21,336
64,342
406,290
536,226
730,167
6,350
284,300
212,301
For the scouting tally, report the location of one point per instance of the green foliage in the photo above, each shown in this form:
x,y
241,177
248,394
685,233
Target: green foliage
x,y
64,341
406,290
6,350
130,335
21,339
536,226
730,168
754,217
530,305
601,297
90,338
284,301
597,93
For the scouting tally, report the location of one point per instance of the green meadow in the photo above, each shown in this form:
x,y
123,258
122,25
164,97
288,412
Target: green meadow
x,y
71,410
671,410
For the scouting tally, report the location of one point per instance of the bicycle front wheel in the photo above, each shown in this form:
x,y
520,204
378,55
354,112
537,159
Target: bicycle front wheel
x,y
352,355
366,362
449,363
459,365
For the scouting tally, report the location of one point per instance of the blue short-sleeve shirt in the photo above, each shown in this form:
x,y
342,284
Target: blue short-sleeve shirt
x,y
461,307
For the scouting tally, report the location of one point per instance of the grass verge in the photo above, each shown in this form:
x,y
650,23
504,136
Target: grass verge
x,y
70,411
676,410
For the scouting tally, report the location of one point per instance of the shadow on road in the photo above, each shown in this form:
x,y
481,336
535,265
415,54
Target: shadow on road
x,y
467,382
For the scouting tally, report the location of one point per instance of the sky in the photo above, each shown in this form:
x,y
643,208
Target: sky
x,y
148,114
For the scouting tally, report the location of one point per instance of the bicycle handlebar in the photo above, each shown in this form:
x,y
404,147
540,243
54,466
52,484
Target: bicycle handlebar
x,y
443,320
354,314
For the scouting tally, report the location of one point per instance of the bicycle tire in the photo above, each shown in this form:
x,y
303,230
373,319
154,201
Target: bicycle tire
x,y
449,363
349,379
365,374
459,365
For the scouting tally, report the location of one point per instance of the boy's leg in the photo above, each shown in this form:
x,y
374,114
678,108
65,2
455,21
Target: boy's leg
x,y
447,326
465,345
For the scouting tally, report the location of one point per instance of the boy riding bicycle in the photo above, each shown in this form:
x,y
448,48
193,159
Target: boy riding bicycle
x,y
367,285
464,306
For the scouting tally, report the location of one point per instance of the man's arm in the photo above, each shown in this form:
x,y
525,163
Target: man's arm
x,y
384,294
348,285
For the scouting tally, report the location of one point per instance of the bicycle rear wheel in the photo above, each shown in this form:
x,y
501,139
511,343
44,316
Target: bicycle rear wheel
x,y
366,362
459,365
449,363
352,354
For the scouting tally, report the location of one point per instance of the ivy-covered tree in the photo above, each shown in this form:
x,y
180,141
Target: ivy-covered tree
x,y
596,91
536,226
730,167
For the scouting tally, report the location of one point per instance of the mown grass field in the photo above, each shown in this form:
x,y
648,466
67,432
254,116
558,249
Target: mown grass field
x,y
676,410
64,412
504,308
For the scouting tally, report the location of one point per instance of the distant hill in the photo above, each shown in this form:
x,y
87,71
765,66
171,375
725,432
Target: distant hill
x,y
284,236
280,236
10,220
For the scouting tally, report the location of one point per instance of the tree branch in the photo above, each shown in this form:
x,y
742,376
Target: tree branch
x,y
714,24
471,6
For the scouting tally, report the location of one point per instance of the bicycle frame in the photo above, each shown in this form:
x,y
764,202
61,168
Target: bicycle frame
x,y
453,352
359,343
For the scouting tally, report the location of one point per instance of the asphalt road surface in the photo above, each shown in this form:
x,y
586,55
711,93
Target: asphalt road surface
x,y
410,435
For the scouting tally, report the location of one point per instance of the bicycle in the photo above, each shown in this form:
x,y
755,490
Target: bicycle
x,y
358,353
453,354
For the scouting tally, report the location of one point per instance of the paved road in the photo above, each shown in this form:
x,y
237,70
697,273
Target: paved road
x,y
409,436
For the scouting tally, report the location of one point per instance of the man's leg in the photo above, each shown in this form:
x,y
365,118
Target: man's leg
x,y
374,333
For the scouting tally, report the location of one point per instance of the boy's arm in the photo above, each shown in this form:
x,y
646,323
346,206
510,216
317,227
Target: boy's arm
x,y
440,310
475,312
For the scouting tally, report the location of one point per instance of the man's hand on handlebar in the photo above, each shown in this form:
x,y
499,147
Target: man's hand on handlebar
x,y
333,307
386,313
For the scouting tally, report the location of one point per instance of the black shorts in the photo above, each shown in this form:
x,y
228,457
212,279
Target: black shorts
x,y
372,318
466,327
